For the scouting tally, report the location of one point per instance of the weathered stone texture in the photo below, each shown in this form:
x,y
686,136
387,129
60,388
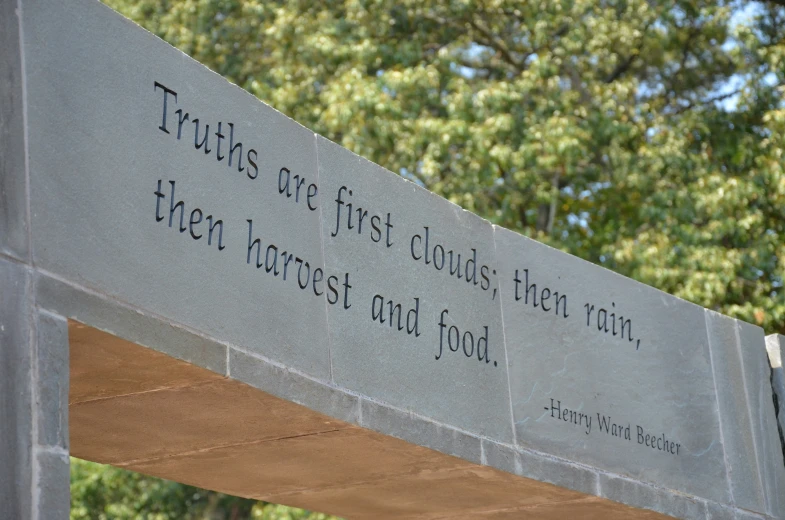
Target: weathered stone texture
x,y
420,431
53,494
775,346
640,495
757,379
13,184
52,380
541,468
738,437
16,421
128,323
294,387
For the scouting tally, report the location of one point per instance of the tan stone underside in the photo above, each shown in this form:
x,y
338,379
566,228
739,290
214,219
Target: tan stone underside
x,y
142,410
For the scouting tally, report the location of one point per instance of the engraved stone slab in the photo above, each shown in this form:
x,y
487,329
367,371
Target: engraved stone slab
x,y
607,371
155,181
418,334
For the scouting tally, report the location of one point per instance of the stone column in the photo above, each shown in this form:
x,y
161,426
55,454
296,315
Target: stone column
x,y
34,470
775,345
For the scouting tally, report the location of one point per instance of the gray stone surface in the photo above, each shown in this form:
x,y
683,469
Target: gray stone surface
x,y
640,495
97,123
662,386
737,433
716,511
558,472
53,494
542,468
757,377
286,384
119,319
417,430
501,456
16,423
52,380
775,347
13,197
389,361
747,515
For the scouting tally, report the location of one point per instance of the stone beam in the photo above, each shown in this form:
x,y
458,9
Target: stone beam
x,y
145,196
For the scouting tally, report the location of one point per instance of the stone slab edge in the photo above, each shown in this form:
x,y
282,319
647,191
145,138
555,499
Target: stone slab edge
x,y
775,347
121,320
741,462
16,406
752,344
13,176
35,468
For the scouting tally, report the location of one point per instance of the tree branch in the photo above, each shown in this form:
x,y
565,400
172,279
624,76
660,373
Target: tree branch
x,y
497,43
624,65
720,97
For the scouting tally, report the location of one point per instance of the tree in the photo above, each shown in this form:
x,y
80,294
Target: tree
x,y
642,135
100,492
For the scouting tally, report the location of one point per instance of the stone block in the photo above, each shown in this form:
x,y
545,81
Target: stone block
x,y
738,437
640,495
130,324
775,347
558,472
716,511
13,184
133,127
757,377
52,486
294,387
501,456
413,332
541,468
747,515
608,372
52,379
16,423
420,431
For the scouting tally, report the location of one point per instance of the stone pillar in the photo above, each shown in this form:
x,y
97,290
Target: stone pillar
x,y
34,470
16,427
775,345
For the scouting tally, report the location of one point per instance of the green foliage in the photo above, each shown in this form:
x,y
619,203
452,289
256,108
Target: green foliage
x,y
100,492
646,136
